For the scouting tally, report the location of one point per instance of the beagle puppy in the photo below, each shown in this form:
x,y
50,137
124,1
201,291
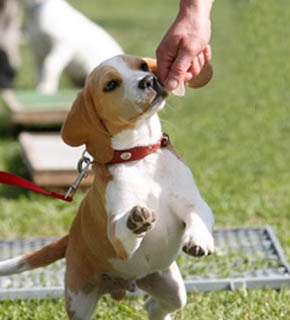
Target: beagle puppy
x,y
143,206
61,40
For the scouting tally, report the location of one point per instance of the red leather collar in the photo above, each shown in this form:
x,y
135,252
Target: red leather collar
x,y
137,153
119,157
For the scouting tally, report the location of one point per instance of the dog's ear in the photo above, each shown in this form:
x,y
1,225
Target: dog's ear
x,y
152,65
203,77
83,126
74,131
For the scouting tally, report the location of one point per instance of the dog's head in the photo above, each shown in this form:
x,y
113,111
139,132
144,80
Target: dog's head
x,y
117,94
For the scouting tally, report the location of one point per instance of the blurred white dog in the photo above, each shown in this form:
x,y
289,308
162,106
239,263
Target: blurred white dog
x,y
64,39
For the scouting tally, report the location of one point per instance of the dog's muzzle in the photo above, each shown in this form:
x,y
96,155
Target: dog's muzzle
x,y
151,82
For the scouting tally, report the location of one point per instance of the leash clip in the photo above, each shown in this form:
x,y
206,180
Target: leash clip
x,y
82,167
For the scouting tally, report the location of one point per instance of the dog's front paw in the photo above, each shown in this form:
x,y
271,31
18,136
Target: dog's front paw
x,y
141,220
199,245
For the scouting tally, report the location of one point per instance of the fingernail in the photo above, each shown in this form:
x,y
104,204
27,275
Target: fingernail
x,y
171,84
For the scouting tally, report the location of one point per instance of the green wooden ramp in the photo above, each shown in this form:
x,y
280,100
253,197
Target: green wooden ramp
x,y
29,107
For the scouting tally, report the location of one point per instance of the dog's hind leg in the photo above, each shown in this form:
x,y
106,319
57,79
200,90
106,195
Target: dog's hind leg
x,y
81,297
167,291
81,287
81,305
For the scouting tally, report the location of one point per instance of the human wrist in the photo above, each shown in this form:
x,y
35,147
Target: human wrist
x,y
195,7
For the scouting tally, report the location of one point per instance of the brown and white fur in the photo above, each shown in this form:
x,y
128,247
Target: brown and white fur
x,y
137,215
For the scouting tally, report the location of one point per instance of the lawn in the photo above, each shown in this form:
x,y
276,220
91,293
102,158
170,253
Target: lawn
x,y
234,134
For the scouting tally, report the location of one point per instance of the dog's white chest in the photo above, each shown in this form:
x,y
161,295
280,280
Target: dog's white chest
x,y
151,183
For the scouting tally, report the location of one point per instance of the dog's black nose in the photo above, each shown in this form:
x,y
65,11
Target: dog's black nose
x,y
147,82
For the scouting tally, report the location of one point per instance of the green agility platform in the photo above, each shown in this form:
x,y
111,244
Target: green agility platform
x,y
29,107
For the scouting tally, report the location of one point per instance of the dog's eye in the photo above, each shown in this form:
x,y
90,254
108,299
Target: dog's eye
x,y
111,85
144,67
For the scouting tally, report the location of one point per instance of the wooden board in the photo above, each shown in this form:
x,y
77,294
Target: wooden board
x,y
28,107
51,162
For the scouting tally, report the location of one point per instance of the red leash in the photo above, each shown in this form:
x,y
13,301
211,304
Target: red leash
x,y
16,181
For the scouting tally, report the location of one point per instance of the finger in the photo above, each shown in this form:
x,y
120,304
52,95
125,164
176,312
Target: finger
x,y
201,59
188,76
193,70
207,53
195,67
198,63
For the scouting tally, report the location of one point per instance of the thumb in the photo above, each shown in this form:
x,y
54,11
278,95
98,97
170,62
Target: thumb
x,y
178,70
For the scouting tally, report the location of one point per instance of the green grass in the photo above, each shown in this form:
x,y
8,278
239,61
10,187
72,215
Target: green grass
x,y
234,134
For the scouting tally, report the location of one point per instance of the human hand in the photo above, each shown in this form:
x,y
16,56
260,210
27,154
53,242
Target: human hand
x,y
184,50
